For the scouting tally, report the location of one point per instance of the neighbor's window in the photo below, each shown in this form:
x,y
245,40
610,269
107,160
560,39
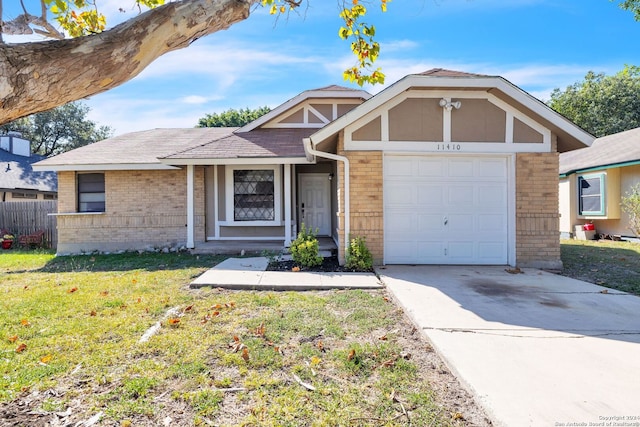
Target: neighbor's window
x,y
91,192
253,195
24,195
591,194
50,196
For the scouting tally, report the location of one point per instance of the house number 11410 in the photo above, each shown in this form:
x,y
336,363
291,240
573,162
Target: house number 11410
x,y
448,147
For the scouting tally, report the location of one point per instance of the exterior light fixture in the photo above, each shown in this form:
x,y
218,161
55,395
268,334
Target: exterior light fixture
x,y
449,105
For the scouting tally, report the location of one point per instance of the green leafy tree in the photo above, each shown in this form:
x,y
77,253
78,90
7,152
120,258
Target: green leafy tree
x,y
601,104
632,6
38,76
59,129
232,117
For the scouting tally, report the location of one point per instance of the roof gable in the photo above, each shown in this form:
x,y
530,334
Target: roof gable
x,y
502,92
309,108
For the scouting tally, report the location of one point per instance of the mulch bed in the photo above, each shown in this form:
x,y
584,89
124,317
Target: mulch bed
x,y
329,265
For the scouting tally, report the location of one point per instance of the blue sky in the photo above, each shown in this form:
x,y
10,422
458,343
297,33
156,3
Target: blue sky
x,y
538,45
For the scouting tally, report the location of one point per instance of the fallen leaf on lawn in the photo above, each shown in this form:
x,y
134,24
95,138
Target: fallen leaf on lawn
x,y
236,339
188,308
351,355
388,363
386,299
13,338
260,330
134,281
215,313
22,347
45,359
383,338
72,290
295,269
217,306
25,322
320,346
104,293
93,313
139,300
315,360
174,321
25,287
245,355
232,303
457,416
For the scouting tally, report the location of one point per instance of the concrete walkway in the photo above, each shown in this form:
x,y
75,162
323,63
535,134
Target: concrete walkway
x,y
249,273
537,349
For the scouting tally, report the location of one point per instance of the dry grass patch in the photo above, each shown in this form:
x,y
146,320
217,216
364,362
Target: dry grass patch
x,y
222,358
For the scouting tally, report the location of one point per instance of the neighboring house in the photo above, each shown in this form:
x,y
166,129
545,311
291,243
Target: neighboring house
x,y
18,181
441,167
593,180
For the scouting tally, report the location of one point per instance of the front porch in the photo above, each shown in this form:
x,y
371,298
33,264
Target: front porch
x,y
255,247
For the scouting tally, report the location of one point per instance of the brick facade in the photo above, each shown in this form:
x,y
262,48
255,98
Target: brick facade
x,y
366,202
537,217
143,208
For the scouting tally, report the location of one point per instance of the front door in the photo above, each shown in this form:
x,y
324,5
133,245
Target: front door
x,y
314,203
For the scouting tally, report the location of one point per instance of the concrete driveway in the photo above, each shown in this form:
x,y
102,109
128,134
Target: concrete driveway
x,y
536,349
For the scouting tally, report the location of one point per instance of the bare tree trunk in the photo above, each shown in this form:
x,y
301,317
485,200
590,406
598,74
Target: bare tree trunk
x,y
39,76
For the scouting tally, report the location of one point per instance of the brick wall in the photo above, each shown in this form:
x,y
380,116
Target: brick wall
x,y
143,208
537,218
366,202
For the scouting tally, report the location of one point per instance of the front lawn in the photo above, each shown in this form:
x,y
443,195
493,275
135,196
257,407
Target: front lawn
x,y
70,330
604,262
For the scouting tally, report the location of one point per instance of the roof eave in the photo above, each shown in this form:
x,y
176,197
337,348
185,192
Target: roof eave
x,y
103,167
235,161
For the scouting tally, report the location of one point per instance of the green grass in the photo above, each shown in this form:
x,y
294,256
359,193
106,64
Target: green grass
x,y
612,264
80,319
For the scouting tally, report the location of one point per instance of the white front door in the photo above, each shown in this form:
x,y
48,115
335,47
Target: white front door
x,y
445,210
314,203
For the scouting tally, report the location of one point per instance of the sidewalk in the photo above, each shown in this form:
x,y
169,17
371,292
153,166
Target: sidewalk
x,y
249,273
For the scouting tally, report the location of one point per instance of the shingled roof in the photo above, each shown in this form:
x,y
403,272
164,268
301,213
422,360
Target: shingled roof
x,y
442,72
617,149
17,174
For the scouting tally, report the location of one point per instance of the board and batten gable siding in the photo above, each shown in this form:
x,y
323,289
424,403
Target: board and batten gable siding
x,y
143,208
415,124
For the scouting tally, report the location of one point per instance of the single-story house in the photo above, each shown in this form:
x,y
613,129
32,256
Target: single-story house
x,y
593,180
18,181
442,167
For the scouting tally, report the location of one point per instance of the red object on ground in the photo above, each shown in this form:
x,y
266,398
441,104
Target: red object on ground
x,y
589,227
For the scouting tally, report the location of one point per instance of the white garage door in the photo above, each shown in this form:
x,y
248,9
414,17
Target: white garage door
x,y
445,210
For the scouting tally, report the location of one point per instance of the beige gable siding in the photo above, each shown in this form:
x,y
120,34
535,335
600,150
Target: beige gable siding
x,y
416,119
524,133
369,132
313,113
143,208
478,120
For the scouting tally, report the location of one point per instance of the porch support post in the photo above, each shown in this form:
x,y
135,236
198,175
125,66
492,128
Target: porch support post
x,y
190,207
287,205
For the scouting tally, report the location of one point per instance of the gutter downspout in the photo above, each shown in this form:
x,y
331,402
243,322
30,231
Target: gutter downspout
x,y
308,148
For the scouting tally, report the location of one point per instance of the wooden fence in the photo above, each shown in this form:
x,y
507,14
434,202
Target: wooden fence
x,y
22,218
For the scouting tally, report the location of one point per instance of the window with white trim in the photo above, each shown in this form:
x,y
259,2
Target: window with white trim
x,y
591,199
91,196
253,195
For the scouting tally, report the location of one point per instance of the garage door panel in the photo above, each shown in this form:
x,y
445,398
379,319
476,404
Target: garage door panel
x,y
460,197
429,194
492,196
492,168
430,168
461,168
492,223
401,222
400,195
399,168
446,210
429,224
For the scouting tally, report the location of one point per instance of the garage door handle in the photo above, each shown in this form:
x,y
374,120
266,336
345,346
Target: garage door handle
x,y
446,220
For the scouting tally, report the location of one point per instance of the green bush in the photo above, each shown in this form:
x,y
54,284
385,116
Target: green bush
x,y
305,249
631,205
358,255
